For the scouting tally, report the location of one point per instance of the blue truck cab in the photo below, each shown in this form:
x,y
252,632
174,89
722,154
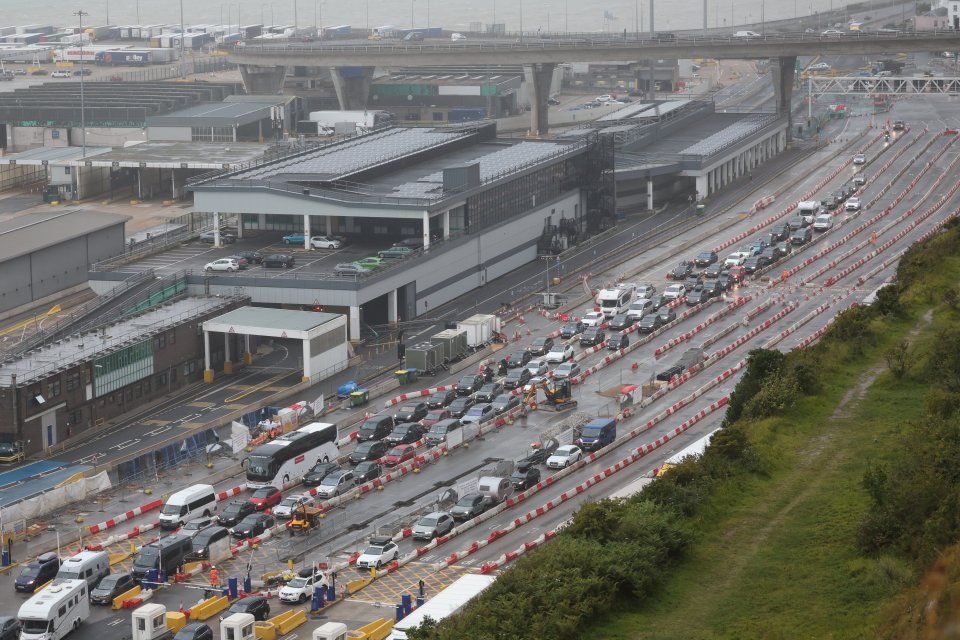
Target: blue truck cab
x,y
597,434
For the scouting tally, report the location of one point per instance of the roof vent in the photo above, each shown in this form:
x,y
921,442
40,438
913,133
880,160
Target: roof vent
x,y
461,177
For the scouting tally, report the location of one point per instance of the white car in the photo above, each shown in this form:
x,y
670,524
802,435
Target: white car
x,y
223,264
566,370
478,414
382,550
832,32
300,589
734,259
560,353
823,222
859,159
564,456
593,319
674,291
645,291
285,509
604,98
820,66
324,242
61,74
853,204
457,36
638,308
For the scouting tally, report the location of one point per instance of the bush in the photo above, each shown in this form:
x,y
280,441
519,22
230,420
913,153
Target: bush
x,y
761,365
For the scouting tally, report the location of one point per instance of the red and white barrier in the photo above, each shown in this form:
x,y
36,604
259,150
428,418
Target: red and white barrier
x,y
123,517
403,397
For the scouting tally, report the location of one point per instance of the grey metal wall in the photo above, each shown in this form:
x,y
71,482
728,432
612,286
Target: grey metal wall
x,y
52,269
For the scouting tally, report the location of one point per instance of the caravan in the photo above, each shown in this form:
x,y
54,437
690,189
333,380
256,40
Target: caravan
x,y
55,611
615,301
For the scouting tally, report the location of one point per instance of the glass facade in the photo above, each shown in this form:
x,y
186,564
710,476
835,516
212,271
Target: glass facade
x,y
122,367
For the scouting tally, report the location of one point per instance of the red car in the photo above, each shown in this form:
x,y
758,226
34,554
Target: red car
x,y
399,454
266,498
434,416
738,273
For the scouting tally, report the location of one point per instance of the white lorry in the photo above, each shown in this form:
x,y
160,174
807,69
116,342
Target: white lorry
x,y
446,603
55,610
351,122
615,301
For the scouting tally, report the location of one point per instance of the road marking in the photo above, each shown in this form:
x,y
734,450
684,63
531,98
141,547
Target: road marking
x,y
159,430
125,444
115,622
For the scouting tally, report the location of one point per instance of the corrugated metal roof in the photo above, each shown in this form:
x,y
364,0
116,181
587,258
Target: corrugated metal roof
x,y
212,114
28,233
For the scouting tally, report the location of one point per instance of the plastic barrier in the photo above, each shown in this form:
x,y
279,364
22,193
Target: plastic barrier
x,y
376,630
208,608
403,397
116,558
288,621
264,631
123,597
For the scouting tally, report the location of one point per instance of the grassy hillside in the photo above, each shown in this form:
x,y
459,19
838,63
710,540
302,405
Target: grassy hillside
x,y
820,511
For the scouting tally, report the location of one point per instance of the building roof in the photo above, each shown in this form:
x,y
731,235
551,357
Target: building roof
x,y
213,114
181,155
34,231
50,155
250,319
64,354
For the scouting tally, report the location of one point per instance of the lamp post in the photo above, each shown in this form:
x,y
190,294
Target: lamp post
x,y
411,14
57,531
83,122
182,34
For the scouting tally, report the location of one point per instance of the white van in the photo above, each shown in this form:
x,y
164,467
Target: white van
x,y
54,611
196,500
91,566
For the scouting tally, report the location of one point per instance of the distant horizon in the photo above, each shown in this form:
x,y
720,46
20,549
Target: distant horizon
x,y
555,16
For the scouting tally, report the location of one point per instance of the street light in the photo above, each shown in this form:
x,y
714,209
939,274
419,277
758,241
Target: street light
x,y
83,122
57,531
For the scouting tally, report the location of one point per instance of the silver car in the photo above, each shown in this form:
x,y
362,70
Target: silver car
x,y
433,525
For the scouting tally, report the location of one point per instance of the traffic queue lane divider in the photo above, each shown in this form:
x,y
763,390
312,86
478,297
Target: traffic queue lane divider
x,y
117,603
208,608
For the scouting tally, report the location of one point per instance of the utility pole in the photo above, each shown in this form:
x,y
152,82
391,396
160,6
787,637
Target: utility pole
x,y
83,121
182,36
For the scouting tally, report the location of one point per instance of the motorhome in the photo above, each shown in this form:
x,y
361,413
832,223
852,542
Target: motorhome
x,y
55,611
615,301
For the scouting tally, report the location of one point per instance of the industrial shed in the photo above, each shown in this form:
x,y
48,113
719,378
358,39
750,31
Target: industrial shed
x,y
44,254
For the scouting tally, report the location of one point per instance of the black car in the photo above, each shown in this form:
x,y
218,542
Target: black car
x,y
781,231
366,471
253,257
801,236
505,402
38,572
682,271
280,260
405,433
410,243
649,323
620,322
697,296
713,271
658,301
376,428
488,392
519,359
618,341
692,282
516,378
899,125
706,258
525,477
754,264
194,631
9,628
782,249
369,450
461,405
667,374
798,222
713,287
112,586
770,254
666,315
440,399
592,336
411,412
255,605
470,506
571,329
253,526
234,512
320,471
540,346
468,385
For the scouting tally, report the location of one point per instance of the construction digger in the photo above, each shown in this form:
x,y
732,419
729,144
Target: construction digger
x,y
558,394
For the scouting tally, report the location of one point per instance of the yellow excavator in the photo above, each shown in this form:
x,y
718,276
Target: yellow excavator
x,y
558,394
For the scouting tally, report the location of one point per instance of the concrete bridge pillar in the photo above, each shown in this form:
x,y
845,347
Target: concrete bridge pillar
x,y
352,85
539,77
262,80
782,71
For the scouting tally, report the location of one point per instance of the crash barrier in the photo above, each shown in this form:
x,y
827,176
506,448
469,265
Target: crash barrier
x,y
123,597
123,517
264,631
377,630
117,558
136,532
288,620
737,302
403,397
208,608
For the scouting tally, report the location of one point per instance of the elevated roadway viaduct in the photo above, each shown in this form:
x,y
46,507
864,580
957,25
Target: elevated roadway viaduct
x,y
264,66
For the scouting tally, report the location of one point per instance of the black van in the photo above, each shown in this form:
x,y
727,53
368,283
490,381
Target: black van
x,y
207,538
375,428
166,553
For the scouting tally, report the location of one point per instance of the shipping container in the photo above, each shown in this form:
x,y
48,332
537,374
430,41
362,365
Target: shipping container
x,y
424,357
480,329
27,55
87,53
251,31
426,32
337,33
231,38
454,344
125,57
35,28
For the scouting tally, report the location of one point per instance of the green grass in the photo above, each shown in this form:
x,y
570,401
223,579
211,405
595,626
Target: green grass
x,y
775,554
